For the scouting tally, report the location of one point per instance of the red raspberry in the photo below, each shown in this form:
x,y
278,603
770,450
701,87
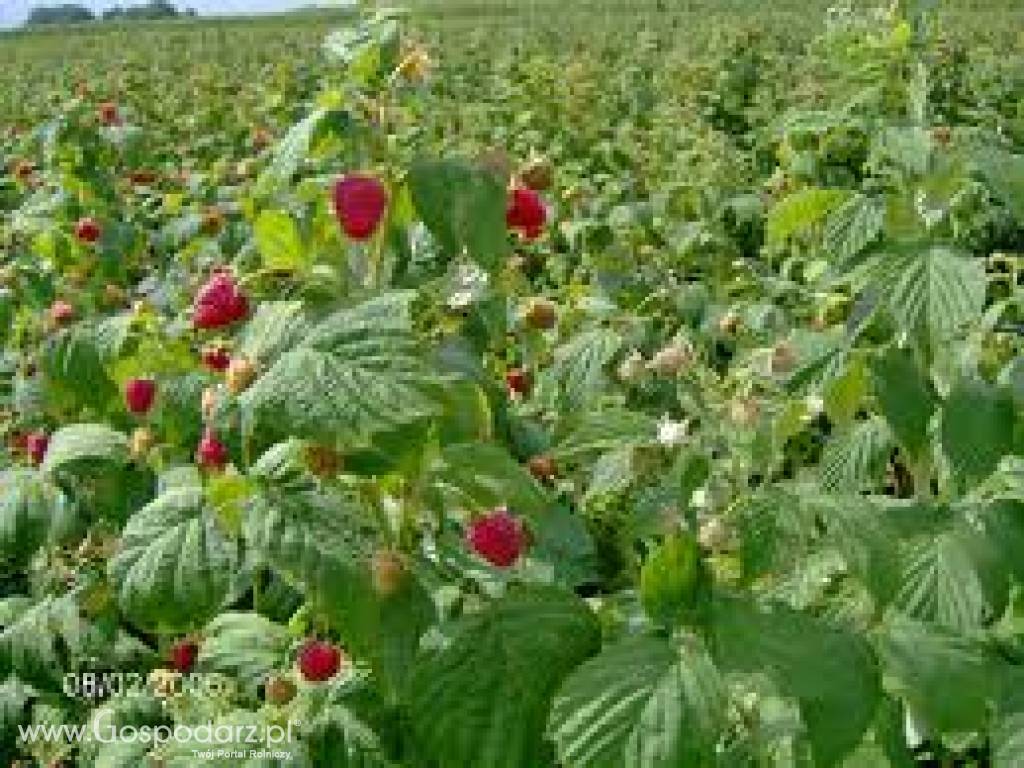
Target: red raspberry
x,y
319,661
526,212
87,230
219,302
36,444
61,313
211,453
216,359
139,395
183,655
498,537
108,114
518,381
359,204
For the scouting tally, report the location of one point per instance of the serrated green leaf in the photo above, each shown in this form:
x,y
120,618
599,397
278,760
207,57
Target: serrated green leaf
x,y
641,703
358,373
953,580
950,679
279,242
933,293
905,398
463,207
276,327
851,228
855,458
482,697
483,476
246,646
89,444
598,431
977,429
800,212
175,564
800,652
29,507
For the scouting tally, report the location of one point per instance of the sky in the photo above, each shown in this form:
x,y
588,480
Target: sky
x,y
14,12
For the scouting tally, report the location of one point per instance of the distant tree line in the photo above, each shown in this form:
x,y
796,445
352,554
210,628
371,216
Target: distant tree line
x,y
70,13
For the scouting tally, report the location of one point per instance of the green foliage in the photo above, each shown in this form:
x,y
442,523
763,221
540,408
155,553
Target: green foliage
x,y
482,697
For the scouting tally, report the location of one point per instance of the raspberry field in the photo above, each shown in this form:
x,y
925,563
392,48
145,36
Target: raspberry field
x,y
485,385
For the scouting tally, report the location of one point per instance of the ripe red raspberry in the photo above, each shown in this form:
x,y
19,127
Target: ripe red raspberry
x,y
139,395
219,302
359,204
526,212
216,359
108,114
518,381
36,444
211,453
319,661
498,537
183,655
87,230
61,313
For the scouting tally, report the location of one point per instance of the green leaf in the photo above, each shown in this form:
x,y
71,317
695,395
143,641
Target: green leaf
x,y
908,148
279,242
1004,173
85,444
463,207
483,476
977,429
341,740
175,564
597,431
289,154
73,369
276,327
855,459
843,394
905,398
867,539
246,646
1008,742
358,373
482,697
29,507
800,652
298,525
39,642
92,464
15,697
949,679
642,703
800,212
934,294
851,228
952,579
775,527
577,377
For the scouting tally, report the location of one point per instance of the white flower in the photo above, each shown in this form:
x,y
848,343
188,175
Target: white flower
x,y
672,433
815,404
